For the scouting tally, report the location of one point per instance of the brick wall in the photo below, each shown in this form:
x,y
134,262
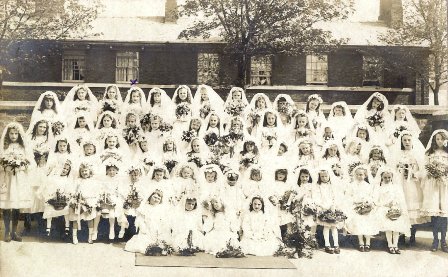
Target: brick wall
x,y
289,70
100,65
345,68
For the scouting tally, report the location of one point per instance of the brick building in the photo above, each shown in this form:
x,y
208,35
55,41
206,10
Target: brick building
x,y
146,47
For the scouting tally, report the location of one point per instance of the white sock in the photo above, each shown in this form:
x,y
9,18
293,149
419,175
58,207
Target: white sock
x,y
389,237
334,233
327,236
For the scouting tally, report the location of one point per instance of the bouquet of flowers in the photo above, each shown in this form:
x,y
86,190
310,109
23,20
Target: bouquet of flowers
x,y
286,109
399,130
204,110
15,161
159,248
187,136
131,135
82,106
170,164
394,211
437,170
363,207
230,252
246,162
109,105
59,200
330,216
233,137
190,250
297,244
235,108
182,110
376,120
352,166
133,200
105,203
309,209
196,160
404,168
79,204
111,155
270,138
148,162
254,118
165,127
57,127
211,138
286,199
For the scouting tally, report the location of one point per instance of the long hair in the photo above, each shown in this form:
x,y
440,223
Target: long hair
x,y
75,97
34,132
8,140
177,100
281,171
433,147
265,119
246,143
252,202
380,108
77,123
42,103
304,171
56,150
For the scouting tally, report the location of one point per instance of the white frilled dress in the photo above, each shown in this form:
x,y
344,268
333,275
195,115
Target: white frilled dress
x,y
15,192
64,185
365,224
325,196
260,236
435,191
411,184
219,231
154,225
184,223
304,193
89,189
392,194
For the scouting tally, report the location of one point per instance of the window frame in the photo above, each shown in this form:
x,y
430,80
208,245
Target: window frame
x,y
312,61
263,62
128,55
379,81
73,55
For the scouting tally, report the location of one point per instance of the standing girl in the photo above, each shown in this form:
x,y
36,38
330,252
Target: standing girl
x,y
205,101
135,101
435,187
259,104
47,107
16,157
314,111
159,103
235,105
286,107
183,112
81,99
111,101
271,129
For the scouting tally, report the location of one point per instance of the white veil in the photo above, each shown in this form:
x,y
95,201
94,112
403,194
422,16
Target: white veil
x,y
38,113
214,100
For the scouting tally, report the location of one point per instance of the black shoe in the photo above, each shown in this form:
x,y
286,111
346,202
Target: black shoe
x,y
361,248
397,250
337,250
435,245
16,237
367,248
392,250
329,250
444,246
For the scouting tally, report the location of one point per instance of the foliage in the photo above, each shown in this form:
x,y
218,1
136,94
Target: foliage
x,y
424,24
259,27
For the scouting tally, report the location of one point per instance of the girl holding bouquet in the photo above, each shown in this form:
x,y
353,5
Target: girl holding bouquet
x,y
56,195
259,104
159,102
187,136
362,196
185,181
80,128
392,213
302,127
409,162
131,131
205,101
304,195
314,111
271,129
402,120
435,186
84,201
306,153
107,123
112,101
135,101
155,134
170,157
15,192
212,130
235,105
160,181
374,112
198,153
154,227
183,100
249,155
328,197
47,107
286,108
81,99
145,156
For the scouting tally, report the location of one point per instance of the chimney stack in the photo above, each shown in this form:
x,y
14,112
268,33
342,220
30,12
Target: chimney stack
x,y
391,12
171,11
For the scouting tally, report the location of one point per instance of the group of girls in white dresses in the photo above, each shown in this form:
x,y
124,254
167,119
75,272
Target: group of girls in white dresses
x,y
199,172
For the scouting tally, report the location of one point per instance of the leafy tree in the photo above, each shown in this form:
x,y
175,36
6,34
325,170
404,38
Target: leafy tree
x,y
38,20
264,27
424,24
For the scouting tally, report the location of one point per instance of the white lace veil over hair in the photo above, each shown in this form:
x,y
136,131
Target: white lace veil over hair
x,y
205,124
118,97
301,113
429,145
26,145
319,99
56,106
287,98
296,174
189,94
243,96
363,111
158,166
127,104
210,168
386,154
343,104
166,105
382,169
216,102
418,149
253,101
70,100
410,120
279,126
74,120
330,143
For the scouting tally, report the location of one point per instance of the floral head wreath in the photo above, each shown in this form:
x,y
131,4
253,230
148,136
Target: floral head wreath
x,y
88,141
112,162
315,97
158,191
209,169
133,168
87,165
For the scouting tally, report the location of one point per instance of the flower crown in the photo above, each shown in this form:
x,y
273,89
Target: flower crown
x,y
316,97
133,168
111,162
158,191
86,165
209,169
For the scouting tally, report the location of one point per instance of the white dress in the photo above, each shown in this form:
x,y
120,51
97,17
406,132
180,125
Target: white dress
x,y
89,189
435,191
184,224
154,226
259,234
219,231
16,188
64,185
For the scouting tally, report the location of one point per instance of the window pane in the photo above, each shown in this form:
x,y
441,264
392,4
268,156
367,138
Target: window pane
x,y
261,68
316,69
73,67
126,66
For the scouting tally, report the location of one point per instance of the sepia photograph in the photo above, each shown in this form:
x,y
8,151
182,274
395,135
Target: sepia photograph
x,y
223,138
